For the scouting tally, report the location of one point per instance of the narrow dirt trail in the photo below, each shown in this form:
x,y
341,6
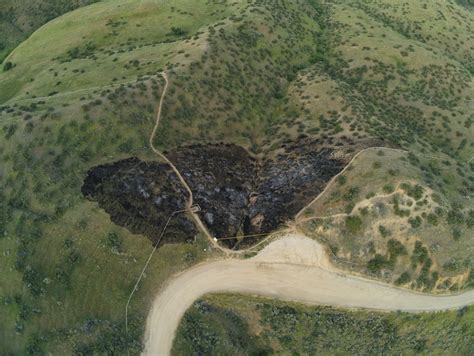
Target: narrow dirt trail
x,y
190,202
333,179
301,220
293,268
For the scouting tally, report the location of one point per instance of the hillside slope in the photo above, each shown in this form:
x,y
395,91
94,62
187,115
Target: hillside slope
x,y
19,18
290,85
230,324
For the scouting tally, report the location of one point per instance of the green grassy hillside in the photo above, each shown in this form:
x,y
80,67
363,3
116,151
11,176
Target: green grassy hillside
x,y
239,325
410,81
83,91
19,18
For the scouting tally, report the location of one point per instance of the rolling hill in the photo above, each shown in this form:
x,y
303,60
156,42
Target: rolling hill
x,y
262,93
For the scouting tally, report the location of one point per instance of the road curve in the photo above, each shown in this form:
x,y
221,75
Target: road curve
x,y
284,278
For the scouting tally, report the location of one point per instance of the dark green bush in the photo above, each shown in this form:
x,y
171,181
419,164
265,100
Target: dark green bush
x,y
7,66
384,232
395,249
404,278
377,263
353,224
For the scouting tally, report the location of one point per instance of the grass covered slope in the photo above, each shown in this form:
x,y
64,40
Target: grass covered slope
x,y
19,18
378,221
83,91
112,42
62,256
413,87
238,325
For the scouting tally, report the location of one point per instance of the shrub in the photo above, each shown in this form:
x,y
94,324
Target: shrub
x,y
388,188
7,66
370,195
462,311
377,263
470,219
420,253
456,234
453,265
403,279
177,31
9,130
384,231
432,219
114,241
341,180
415,222
349,207
364,211
455,217
395,249
351,193
353,224
416,192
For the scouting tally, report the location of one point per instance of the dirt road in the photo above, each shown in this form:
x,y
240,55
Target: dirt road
x,y
291,268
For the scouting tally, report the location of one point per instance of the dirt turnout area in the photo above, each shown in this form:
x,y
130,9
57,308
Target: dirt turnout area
x,y
294,268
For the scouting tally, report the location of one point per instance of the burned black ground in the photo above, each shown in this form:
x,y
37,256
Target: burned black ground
x,y
239,195
141,196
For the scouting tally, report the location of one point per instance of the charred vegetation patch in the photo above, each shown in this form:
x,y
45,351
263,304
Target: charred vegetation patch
x,y
238,193
141,196
223,179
